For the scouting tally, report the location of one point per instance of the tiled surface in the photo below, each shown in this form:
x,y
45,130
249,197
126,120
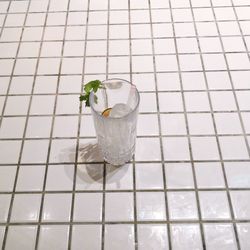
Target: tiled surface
x,y
190,178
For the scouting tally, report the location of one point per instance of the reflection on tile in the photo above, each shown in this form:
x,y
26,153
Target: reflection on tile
x,y
86,236
150,206
53,237
243,230
220,236
21,237
241,204
23,213
181,235
153,236
119,237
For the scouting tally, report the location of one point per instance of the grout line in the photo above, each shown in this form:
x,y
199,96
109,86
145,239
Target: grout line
x,y
52,123
160,131
23,137
189,140
220,153
133,160
78,135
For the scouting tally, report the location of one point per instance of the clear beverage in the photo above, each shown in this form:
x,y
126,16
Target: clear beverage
x,y
116,133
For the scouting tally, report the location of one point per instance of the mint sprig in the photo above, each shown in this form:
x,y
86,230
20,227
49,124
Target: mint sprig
x,y
88,88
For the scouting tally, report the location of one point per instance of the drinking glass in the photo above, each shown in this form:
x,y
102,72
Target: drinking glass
x,y
116,135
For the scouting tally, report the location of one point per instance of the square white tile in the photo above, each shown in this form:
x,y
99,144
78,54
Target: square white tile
x,y
39,149
182,206
45,85
148,149
77,5
62,150
173,124
48,66
10,156
214,205
237,61
23,213
118,31
182,15
118,64
190,62
238,174
88,207
160,15
181,234
171,149
87,126
229,28
18,6
67,104
207,29
8,49
162,30
139,16
91,62
86,236
150,206
35,19
243,230
7,178
218,80
239,151
220,236
119,236
140,47
38,127
148,102
240,79
21,237
56,207
6,66
147,125
241,204
14,20
184,29
25,66
59,177
166,63
210,44
30,178
70,84
17,105
200,124
243,99
51,49
170,102
203,14
117,47
121,5
187,45
4,206
233,44
21,85
65,126
118,17
214,62
54,33
89,177
76,32
33,34
119,178
119,207
53,237
11,34
12,127
168,81
209,175
179,175
228,123
139,4
76,17
149,176
94,48
56,18
204,148
223,101
144,81
72,66
192,98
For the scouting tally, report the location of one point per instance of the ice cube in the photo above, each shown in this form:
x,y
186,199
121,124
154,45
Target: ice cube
x,y
119,110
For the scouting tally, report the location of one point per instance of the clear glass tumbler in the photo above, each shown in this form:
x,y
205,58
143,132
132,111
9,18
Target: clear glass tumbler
x,y
116,133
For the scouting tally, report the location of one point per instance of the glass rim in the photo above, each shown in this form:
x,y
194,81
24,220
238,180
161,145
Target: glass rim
x,y
91,100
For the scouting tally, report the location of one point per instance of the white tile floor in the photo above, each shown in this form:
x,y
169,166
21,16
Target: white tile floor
x,y
190,60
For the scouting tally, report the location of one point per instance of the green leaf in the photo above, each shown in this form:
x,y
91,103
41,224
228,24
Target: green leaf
x,y
90,86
